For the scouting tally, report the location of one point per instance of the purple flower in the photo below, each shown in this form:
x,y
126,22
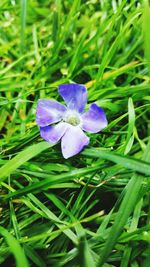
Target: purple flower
x,y
68,123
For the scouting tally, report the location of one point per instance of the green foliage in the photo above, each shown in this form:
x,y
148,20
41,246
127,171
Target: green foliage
x,y
92,209
15,248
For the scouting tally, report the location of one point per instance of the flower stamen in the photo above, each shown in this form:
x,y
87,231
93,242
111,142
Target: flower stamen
x,y
72,118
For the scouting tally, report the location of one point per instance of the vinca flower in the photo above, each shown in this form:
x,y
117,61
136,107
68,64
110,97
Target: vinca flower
x,y
69,123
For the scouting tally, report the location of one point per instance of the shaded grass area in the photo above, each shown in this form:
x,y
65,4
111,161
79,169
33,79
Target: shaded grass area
x,y
92,209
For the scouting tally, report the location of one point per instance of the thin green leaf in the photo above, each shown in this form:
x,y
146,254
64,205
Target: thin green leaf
x,y
130,136
53,180
125,161
146,23
15,248
125,210
23,24
21,158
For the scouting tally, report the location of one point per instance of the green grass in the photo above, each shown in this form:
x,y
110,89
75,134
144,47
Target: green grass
x,y
92,209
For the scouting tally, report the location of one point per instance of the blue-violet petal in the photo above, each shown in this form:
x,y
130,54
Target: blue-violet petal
x,y
75,96
53,134
49,112
94,120
73,141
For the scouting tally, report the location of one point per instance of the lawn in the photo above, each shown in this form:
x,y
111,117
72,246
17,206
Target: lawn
x,y
91,209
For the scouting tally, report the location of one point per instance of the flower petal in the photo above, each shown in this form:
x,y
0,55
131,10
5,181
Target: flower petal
x,y
75,95
94,120
48,112
52,134
73,141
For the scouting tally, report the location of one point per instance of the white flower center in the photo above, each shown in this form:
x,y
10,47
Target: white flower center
x,y
72,117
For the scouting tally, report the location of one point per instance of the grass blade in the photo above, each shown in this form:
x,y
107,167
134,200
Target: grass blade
x,y
146,23
15,248
125,210
23,24
125,161
53,179
21,158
